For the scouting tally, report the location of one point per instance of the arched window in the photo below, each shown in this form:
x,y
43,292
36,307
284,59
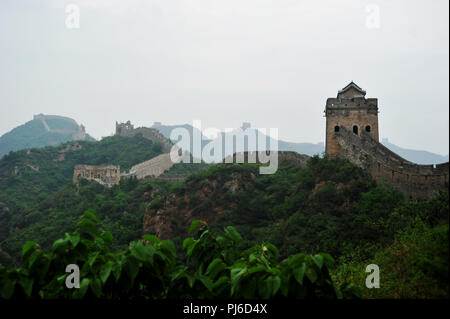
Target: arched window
x,y
336,128
355,129
368,128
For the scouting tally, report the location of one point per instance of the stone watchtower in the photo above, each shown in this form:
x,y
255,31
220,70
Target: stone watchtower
x,y
351,110
124,128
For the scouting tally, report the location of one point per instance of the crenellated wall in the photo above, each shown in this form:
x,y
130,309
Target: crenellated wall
x,y
151,168
127,129
416,181
107,175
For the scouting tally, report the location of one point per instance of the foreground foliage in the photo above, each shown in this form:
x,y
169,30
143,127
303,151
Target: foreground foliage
x,y
214,267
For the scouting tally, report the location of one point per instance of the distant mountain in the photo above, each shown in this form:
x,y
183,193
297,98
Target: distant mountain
x,y
301,148
415,156
43,130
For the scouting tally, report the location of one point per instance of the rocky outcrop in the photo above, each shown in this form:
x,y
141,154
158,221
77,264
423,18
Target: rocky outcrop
x,y
198,200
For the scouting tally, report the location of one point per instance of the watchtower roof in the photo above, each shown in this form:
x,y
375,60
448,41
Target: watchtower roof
x,y
351,90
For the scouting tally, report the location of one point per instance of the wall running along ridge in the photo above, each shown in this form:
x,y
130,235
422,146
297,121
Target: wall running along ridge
x,y
416,181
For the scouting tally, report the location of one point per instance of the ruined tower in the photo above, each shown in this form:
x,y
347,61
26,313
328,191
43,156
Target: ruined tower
x,y
351,110
124,128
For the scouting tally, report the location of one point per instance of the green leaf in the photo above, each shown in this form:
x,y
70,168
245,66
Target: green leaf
x,y
80,292
29,246
179,272
142,252
34,256
131,266
276,283
74,239
299,273
8,289
88,226
92,258
233,234
256,269
221,281
192,247
328,260
214,268
107,237
60,245
168,247
235,275
105,271
91,215
117,269
188,242
152,239
27,285
96,287
272,248
296,260
194,225
205,281
318,259
311,274
265,288
137,249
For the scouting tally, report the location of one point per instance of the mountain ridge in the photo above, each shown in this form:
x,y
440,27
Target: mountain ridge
x,y
311,149
43,130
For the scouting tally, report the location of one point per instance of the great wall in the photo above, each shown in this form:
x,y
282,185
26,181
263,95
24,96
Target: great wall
x,y
127,129
78,134
153,168
351,133
106,175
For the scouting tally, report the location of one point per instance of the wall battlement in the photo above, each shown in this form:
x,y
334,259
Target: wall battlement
x,y
127,129
352,133
416,181
151,168
107,175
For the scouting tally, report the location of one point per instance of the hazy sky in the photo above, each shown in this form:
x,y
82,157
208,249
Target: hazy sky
x,y
273,63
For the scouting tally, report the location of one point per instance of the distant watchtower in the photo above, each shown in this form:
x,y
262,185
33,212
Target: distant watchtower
x,y
123,128
352,111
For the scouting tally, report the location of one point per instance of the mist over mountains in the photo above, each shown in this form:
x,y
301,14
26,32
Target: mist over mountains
x,y
51,130
415,156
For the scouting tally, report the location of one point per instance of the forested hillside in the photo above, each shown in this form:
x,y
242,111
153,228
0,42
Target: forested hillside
x,y
34,133
330,206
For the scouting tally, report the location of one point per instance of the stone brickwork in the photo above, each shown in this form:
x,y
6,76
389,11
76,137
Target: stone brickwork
x,y
151,168
107,175
351,110
362,147
416,181
127,129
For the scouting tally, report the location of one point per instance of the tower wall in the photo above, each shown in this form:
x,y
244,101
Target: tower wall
x,y
347,113
363,149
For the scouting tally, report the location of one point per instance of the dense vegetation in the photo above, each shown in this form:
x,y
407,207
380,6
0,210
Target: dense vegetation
x,y
329,206
30,176
213,266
